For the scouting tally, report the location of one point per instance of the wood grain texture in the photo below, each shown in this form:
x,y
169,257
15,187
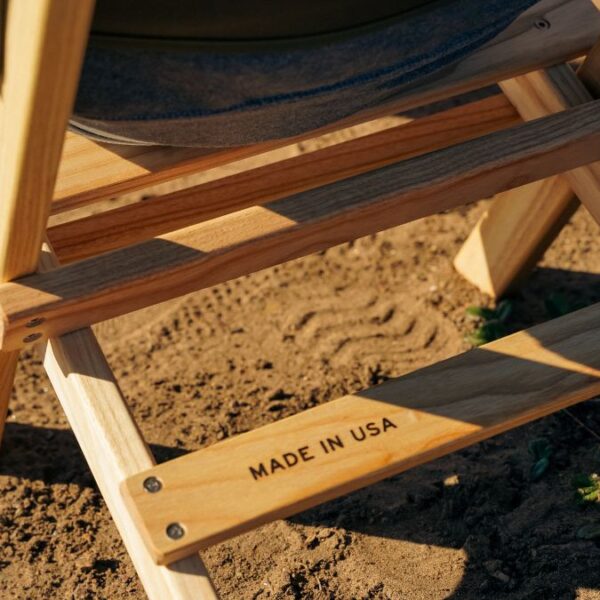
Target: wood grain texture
x,y
114,449
8,365
432,412
202,255
513,234
134,223
43,45
515,231
546,92
45,41
90,172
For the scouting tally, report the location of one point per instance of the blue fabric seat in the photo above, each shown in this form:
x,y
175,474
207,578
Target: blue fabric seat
x,y
218,92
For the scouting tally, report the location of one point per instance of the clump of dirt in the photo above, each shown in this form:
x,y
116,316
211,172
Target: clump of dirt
x,y
249,352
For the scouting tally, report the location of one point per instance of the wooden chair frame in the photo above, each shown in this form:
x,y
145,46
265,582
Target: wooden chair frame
x,y
57,281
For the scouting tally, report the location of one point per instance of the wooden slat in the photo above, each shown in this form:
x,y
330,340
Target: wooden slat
x,y
301,461
545,92
513,234
91,172
43,48
542,93
114,449
133,223
102,287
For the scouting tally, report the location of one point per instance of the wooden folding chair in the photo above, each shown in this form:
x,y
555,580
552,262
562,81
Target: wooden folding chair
x,y
113,262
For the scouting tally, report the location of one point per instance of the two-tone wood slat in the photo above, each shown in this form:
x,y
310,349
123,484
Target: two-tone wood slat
x,y
345,444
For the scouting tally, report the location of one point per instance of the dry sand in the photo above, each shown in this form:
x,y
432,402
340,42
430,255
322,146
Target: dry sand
x,y
225,360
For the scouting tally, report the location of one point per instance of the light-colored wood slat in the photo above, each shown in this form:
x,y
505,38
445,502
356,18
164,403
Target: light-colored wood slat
x,y
513,234
134,223
545,92
324,452
114,449
91,172
102,287
43,48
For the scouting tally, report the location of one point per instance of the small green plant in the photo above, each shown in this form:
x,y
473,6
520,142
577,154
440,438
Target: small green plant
x,y
541,451
591,531
492,322
558,305
587,488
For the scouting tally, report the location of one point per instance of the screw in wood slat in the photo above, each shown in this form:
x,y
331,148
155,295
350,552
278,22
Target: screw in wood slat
x,y
152,485
35,322
32,337
542,24
175,531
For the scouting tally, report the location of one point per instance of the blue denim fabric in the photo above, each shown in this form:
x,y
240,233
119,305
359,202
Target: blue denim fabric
x,y
214,98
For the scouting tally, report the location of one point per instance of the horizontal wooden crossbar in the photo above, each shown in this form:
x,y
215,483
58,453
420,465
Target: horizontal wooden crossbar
x,y
92,290
134,223
91,172
298,462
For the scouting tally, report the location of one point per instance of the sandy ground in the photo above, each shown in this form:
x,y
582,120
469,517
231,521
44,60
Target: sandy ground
x,y
228,359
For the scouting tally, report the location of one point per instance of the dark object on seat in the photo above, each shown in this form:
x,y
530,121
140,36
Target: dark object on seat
x,y
239,19
234,72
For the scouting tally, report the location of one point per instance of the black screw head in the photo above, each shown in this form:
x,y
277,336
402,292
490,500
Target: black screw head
x,y
35,322
152,485
175,531
32,337
542,24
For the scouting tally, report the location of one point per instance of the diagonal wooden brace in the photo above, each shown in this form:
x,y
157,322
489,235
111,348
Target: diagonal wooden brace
x,y
520,224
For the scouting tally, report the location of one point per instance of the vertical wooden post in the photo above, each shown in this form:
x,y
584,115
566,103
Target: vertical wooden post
x,y
44,44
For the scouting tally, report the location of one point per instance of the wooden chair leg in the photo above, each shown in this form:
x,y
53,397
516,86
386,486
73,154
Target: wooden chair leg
x,y
114,450
45,43
519,225
8,365
43,50
513,234
552,90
